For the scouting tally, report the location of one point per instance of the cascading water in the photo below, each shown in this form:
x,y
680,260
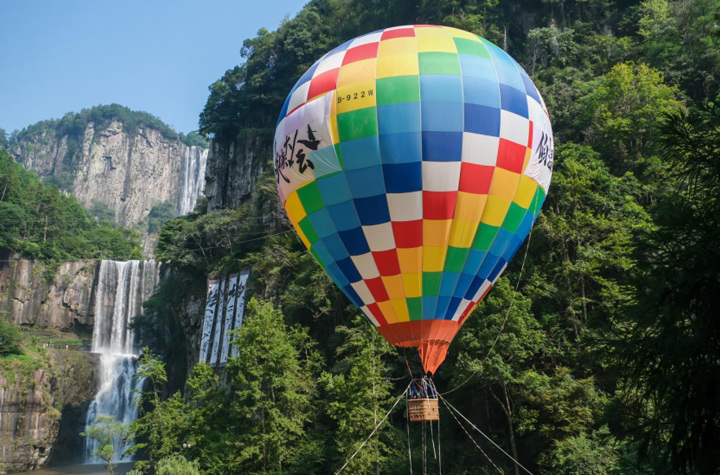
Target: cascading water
x,y
193,178
121,290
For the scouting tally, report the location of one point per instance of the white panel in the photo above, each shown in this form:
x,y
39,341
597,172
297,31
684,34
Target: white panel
x,y
480,149
329,63
486,285
370,316
299,96
514,127
210,305
363,291
440,176
218,323
367,39
540,165
461,308
365,264
240,305
380,237
229,316
405,206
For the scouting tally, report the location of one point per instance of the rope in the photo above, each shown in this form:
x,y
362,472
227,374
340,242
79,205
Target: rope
x,y
483,434
407,423
404,393
439,450
473,441
507,314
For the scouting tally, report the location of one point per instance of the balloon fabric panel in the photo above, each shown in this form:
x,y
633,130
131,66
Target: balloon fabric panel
x,y
412,163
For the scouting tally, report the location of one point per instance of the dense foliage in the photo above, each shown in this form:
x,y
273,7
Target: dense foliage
x,y
40,222
599,350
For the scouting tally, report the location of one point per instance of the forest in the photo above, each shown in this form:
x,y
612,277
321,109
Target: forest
x,y
597,352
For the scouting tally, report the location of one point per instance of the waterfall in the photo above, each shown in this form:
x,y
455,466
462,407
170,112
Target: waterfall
x,y
121,290
193,178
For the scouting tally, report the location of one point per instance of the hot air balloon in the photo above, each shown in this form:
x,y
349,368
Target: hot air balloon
x,y
412,162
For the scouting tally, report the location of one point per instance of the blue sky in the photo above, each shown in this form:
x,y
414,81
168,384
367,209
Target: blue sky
x,y
158,56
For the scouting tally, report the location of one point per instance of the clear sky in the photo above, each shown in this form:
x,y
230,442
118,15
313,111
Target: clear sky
x,y
157,56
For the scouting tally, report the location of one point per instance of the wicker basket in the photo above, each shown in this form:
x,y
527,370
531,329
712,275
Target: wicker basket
x,y
423,410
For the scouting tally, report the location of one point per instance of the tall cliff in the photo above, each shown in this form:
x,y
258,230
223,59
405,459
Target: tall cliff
x,y
121,161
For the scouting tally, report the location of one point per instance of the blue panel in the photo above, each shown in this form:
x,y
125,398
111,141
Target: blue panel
x,y
353,296
477,67
502,239
513,100
473,261
403,177
487,266
398,118
322,223
342,47
366,182
474,286
449,281
334,189
360,153
322,253
428,307
347,267
463,284
442,146
336,275
442,116
505,67
525,225
442,305
344,216
482,92
512,248
452,308
434,88
496,271
530,88
335,247
355,242
401,148
482,120
283,111
373,210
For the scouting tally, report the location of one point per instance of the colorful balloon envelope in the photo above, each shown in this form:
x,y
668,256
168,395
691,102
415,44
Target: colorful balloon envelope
x,y
412,162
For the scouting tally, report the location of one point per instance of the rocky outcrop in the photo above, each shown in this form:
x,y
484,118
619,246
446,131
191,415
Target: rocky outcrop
x,y
234,169
129,169
63,302
40,400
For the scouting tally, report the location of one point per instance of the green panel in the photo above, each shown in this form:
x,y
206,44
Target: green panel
x,y
431,283
455,260
484,237
439,63
309,231
514,217
317,258
357,124
415,308
398,89
338,152
537,202
465,46
310,197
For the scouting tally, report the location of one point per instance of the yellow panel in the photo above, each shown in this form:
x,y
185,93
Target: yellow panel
x,y
436,232
434,258
410,259
469,206
294,208
394,286
504,184
413,284
361,95
436,43
463,233
431,31
528,153
525,191
401,310
397,65
333,122
397,45
356,72
495,211
303,238
388,311
462,34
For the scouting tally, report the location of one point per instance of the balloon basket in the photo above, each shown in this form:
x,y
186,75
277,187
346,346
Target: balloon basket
x,y
421,410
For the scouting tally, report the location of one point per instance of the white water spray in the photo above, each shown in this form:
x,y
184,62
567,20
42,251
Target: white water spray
x,y
121,290
193,178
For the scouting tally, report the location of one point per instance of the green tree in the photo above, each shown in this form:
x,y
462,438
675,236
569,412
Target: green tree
x,y
10,337
109,435
177,465
160,214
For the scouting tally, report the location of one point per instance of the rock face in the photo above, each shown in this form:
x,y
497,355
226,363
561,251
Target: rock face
x,y
234,169
129,170
38,404
65,303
